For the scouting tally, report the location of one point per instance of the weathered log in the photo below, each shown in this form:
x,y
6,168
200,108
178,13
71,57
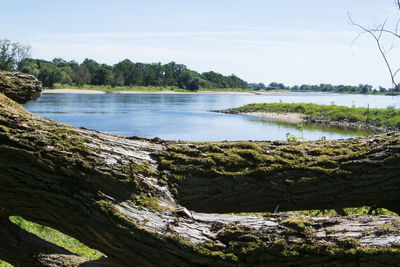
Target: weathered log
x,y
130,197
19,86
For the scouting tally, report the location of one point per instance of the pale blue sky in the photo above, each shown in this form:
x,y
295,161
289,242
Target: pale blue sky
x,y
287,41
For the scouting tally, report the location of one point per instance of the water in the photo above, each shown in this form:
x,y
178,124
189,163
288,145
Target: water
x,y
188,116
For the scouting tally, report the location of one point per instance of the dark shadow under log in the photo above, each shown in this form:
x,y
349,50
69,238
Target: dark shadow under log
x,y
139,200
21,248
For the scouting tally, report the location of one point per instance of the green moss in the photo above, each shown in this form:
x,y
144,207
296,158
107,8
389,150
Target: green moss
x,y
261,161
144,200
112,211
250,246
203,251
388,228
300,224
347,250
348,243
142,168
233,232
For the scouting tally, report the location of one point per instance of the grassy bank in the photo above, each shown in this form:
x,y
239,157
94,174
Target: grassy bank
x,y
388,117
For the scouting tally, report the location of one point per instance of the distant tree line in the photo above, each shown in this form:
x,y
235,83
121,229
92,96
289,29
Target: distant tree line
x,y
126,73
16,57
361,88
271,86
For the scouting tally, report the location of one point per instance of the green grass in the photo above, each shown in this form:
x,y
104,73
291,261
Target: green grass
x,y
4,264
381,117
55,237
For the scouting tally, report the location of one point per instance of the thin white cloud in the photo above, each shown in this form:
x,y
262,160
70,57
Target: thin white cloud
x,y
269,61
127,35
286,33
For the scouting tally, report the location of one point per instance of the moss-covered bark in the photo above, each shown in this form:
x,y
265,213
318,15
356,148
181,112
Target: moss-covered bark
x,y
19,86
261,176
130,198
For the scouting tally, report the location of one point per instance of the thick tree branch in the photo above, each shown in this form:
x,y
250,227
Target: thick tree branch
x,y
137,200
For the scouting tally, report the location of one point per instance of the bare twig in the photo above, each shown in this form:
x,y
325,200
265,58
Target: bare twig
x,y
376,33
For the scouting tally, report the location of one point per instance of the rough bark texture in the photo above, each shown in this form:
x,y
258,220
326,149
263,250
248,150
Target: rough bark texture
x,y
260,176
130,197
20,87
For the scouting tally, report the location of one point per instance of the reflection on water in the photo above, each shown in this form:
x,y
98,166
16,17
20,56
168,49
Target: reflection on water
x,y
312,131
187,116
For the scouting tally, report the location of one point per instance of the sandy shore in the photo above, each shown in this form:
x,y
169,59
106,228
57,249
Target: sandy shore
x,y
127,92
284,117
72,91
243,93
174,92
296,118
84,91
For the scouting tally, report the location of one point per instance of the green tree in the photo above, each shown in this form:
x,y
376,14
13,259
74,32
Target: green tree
x,y
92,67
28,65
216,79
124,73
104,75
119,79
66,75
81,75
49,74
194,84
169,71
138,74
189,80
11,54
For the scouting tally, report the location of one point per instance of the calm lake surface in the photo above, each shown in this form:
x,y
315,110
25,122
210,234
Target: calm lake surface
x,y
188,116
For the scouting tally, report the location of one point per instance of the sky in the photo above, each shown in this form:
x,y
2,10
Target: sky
x,y
288,41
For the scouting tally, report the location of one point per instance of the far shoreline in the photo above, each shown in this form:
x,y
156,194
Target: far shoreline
x,y
169,92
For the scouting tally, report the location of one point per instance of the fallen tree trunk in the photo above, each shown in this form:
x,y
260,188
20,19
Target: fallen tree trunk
x,y
130,197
